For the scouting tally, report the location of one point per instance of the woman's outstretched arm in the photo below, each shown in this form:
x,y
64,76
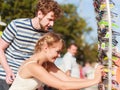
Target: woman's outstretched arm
x,y
56,79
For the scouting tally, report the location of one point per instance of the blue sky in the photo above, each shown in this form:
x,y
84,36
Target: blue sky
x,y
86,10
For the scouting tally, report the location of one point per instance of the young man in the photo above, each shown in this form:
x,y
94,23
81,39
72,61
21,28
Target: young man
x,y
20,36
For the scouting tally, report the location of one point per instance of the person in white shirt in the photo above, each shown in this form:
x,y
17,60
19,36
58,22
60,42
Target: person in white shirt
x,y
69,64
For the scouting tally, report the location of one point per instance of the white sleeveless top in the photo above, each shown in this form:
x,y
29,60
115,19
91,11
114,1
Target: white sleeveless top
x,y
25,84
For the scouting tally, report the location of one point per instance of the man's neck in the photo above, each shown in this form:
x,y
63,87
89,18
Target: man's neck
x,y
35,23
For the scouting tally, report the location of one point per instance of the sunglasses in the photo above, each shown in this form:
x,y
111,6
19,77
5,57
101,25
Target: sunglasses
x,y
101,5
106,24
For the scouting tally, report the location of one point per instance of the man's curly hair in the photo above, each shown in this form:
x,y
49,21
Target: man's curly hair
x,y
45,6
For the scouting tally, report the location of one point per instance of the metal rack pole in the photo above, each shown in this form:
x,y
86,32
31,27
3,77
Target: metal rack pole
x,y
110,47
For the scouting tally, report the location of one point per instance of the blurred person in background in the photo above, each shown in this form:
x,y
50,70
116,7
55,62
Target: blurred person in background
x,y
88,71
70,66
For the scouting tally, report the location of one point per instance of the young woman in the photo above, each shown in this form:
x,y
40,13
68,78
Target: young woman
x,y
40,68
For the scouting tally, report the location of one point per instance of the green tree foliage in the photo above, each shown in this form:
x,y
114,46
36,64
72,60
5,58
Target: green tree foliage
x,y
12,9
88,53
70,25
73,27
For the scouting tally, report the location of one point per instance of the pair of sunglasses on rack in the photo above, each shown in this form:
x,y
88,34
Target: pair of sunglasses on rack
x,y
101,5
102,15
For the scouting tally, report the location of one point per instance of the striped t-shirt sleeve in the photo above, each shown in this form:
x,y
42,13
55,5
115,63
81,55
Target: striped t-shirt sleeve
x,y
9,32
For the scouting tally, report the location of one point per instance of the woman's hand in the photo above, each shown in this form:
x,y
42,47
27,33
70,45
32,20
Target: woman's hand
x,y
98,72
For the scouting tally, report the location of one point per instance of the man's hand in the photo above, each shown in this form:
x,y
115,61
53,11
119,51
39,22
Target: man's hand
x,y
10,77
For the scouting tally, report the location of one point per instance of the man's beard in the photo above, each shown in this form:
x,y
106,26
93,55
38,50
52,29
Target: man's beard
x,y
41,26
50,28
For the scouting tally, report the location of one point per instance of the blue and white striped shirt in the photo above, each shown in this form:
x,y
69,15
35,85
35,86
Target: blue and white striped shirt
x,y
22,38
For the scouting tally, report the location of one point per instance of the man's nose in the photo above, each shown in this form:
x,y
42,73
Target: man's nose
x,y
51,23
59,55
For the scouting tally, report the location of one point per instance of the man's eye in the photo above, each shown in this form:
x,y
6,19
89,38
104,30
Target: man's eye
x,y
58,52
50,19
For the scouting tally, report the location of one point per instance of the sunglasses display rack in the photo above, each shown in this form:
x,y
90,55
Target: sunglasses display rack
x,y
107,42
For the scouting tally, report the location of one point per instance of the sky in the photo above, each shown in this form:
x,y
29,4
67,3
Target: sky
x,y
86,11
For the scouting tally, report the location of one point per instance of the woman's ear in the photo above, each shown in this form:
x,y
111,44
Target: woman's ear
x,y
45,47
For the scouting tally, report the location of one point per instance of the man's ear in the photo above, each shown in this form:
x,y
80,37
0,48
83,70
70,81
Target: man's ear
x,y
40,14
